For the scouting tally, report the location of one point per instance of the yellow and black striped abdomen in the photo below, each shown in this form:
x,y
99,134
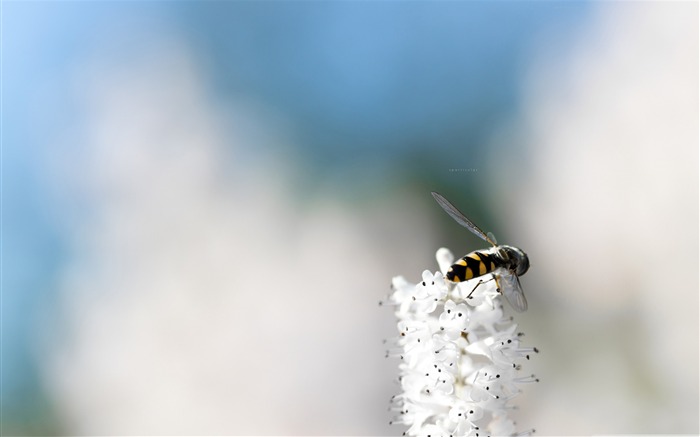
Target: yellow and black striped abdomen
x,y
475,264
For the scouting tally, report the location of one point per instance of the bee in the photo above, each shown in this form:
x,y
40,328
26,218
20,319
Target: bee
x,y
504,263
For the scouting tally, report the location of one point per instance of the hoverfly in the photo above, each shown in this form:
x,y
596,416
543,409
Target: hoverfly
x,y
504,263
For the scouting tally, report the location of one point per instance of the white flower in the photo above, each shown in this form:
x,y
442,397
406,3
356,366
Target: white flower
x,y
460,357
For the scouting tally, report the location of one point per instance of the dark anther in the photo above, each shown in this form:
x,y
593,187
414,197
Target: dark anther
x,y
459,314
433,282
423,283
537,351
471,411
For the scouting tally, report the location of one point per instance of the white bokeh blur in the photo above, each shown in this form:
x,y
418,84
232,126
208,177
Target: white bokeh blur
x,y
200,300
609,216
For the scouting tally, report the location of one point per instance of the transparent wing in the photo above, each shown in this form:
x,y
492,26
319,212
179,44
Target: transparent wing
x,y
511,289
462,220
492,238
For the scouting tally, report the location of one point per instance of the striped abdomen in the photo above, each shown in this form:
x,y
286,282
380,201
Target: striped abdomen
x,y
475,264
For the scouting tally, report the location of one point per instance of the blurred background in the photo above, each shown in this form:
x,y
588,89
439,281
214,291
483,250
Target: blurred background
x,y
203,203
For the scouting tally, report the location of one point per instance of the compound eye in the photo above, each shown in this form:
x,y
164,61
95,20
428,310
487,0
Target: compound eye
x,y
523,265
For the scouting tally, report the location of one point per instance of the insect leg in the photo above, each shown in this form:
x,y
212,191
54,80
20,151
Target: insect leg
x,y
481,281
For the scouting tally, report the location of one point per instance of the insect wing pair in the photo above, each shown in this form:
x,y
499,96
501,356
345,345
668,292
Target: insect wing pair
x,y
511,289
505,273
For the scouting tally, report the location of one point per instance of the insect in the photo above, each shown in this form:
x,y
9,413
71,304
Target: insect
x,y
504,263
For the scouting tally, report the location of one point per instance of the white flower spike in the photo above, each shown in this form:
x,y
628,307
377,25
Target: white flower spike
x,y
460,357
